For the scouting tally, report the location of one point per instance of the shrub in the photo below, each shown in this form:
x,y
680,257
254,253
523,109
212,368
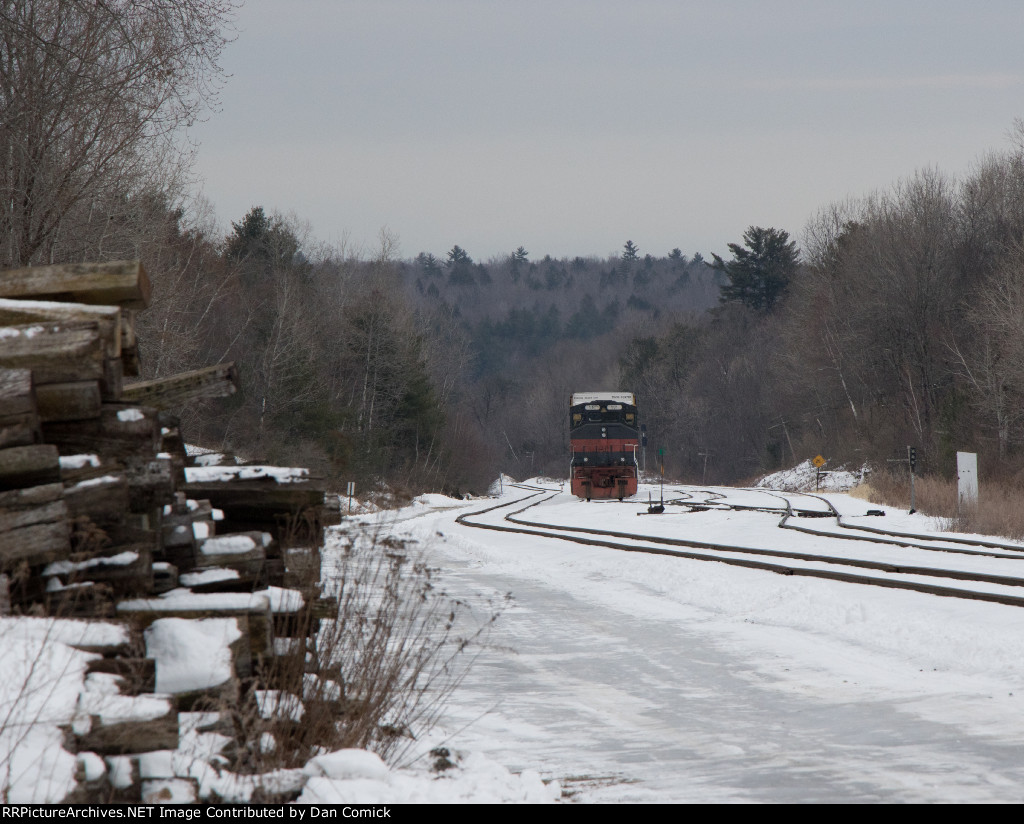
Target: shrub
x,y
376,669
999,510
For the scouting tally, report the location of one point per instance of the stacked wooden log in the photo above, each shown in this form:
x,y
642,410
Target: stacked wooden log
x,y
101,510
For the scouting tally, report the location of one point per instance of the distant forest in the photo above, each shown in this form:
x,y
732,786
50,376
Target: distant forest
x,y
889,321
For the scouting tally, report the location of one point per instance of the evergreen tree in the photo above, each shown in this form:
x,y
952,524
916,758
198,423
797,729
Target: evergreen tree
x,y
262,242
460,267
760,270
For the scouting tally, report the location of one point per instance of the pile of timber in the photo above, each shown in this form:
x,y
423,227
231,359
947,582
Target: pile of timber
x,y
102,512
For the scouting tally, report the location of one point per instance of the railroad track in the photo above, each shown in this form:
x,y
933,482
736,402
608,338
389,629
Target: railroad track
x,y
874,558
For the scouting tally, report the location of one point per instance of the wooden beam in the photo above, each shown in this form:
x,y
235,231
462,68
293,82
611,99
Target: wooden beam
x,y
19,418
121,282
129,344
23,466
257,502
76,401
210,382
119,432
104,500
16,395
31,496
55,352
112,384
107,318
132,736
20,430
16,518
37,544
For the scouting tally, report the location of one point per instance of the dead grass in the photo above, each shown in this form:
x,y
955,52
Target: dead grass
x,y
999,510
370,664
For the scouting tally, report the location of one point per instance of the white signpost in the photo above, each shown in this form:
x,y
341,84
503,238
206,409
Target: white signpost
x,y
966,479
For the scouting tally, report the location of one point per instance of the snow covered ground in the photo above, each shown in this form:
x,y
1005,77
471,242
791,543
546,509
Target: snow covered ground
x,y
619,677
644,678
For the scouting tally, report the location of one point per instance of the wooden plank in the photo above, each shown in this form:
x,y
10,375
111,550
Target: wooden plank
x,y
19,417
122,282
31,496
16,394
107,318
19,430
55,352
79,400
119,432
210,382
149,483
131,737
75,468
104,499
116,569
128,337
112,383
88,600
138,674
257,501
129,345
15,518
23,466
37,544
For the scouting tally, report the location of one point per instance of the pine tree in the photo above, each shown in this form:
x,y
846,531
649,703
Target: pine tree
x,y
760,270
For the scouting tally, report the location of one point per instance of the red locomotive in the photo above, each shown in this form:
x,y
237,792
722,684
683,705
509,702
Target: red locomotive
x,y
603,431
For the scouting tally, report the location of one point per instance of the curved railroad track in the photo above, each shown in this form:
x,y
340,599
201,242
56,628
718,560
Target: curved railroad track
x,y
873,555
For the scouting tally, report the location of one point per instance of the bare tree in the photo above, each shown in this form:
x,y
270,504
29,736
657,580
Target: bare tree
x,y
93,96
990,356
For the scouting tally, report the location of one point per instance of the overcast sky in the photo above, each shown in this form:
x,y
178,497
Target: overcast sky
x,y
570,126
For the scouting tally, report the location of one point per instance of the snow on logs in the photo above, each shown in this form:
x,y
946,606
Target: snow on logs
x,y
101,514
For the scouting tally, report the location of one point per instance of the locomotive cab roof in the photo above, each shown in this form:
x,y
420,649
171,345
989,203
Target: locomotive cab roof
x,y
596,397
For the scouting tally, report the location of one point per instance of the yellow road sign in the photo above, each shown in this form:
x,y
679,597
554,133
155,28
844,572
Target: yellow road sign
x,y
818,462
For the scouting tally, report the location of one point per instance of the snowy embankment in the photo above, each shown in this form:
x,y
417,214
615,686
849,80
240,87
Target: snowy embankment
x,y
47,687
805,477
943,676
630,669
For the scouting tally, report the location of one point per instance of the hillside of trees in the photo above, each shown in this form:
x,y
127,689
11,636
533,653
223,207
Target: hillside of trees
x,y
889,321
901,326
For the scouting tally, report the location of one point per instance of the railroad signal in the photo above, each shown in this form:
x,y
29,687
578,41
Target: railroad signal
x,y
912,460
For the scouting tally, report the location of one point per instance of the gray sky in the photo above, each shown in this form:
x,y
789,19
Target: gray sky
x,y
570,126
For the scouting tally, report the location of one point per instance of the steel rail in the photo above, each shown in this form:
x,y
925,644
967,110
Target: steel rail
x,y
560,533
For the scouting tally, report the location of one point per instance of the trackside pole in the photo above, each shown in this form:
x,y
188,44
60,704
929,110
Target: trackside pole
x,y
912,458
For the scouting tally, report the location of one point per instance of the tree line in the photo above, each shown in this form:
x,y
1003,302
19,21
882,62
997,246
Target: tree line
x,y
895,321
897,324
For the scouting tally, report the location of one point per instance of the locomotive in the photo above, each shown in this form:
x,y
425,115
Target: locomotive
x,y
604,434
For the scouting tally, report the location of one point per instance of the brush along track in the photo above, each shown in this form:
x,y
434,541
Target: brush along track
x,y
897,576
